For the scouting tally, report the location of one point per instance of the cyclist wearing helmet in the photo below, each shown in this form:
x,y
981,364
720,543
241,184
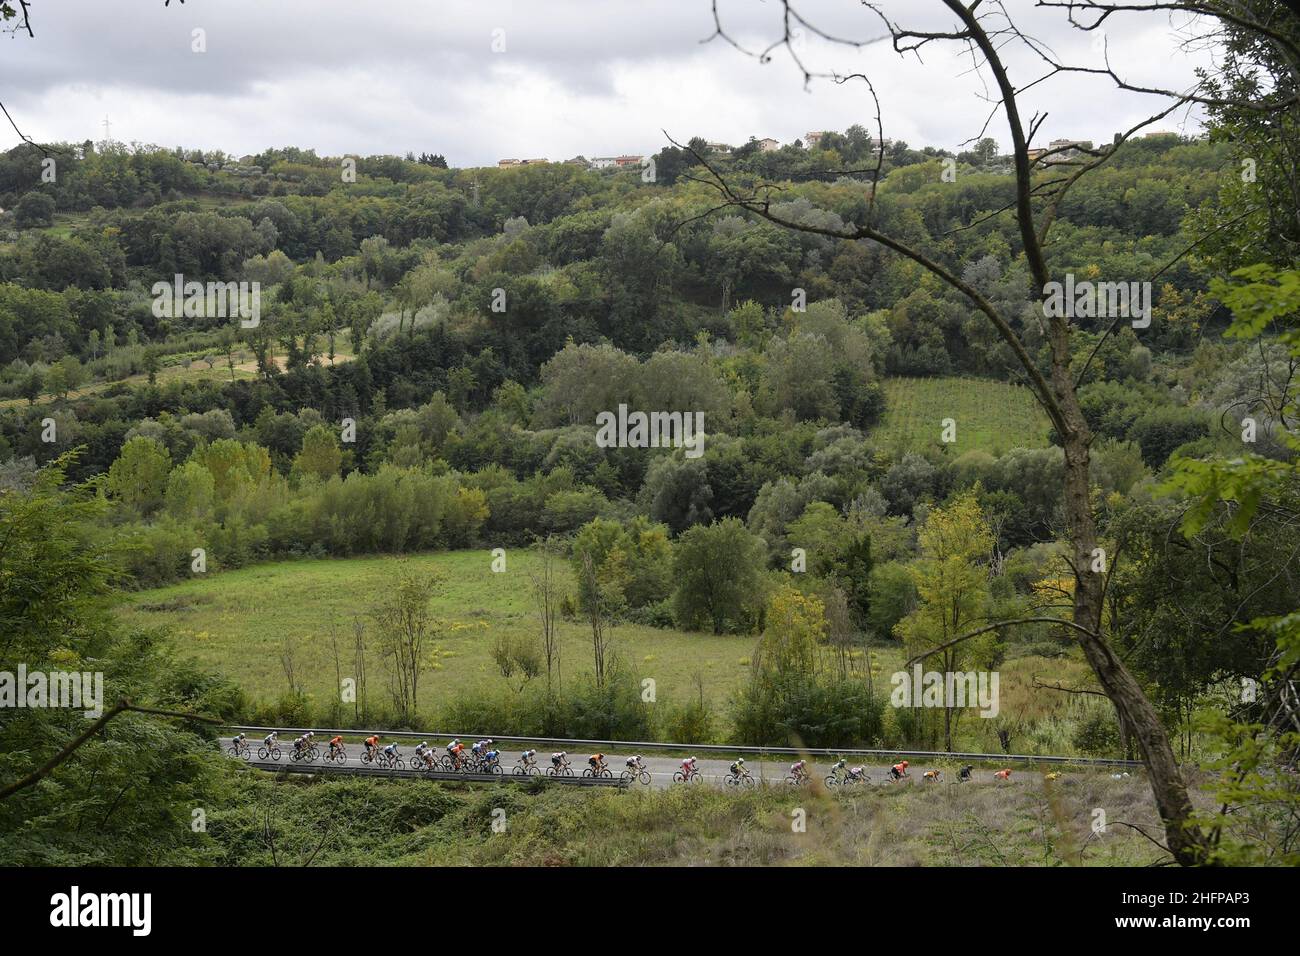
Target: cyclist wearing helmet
x,y
898,771
597,763
372,742
799,768
965,773
738,767
634,762
271,739
528,758
336,744
688,768
559,760
456,751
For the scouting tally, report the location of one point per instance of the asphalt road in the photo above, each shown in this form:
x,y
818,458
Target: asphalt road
x,y
661,769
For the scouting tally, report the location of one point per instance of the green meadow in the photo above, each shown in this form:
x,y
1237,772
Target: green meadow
x,y
235,622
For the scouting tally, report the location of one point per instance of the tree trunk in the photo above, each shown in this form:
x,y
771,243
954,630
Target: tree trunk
x,y
1185,842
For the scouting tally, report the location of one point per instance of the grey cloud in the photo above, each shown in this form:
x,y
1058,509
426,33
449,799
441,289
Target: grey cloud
x,y
577,76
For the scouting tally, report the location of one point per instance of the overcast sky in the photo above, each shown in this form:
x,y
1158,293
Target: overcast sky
x,y
590,77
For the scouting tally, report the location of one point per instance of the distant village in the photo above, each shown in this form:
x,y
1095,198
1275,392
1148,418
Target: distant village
x,y
1057,151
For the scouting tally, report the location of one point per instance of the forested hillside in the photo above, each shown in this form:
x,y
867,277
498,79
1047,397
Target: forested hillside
x,y
434,349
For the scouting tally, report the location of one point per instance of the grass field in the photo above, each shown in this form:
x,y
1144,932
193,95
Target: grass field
x,y
234,621
991,416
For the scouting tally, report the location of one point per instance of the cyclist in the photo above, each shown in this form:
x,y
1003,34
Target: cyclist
x,y
898,771
965,773
856,774
420,748
841,766
634,763
372,742
559,760
391,751
238,743
1002,775
933,776
688,768
529,759
455,752
490,757
597,763
336,744
738,768
799,770
271,739
300,744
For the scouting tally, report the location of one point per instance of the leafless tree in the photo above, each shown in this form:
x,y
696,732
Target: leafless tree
x,y
598,616
289,664
546,598
359,667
